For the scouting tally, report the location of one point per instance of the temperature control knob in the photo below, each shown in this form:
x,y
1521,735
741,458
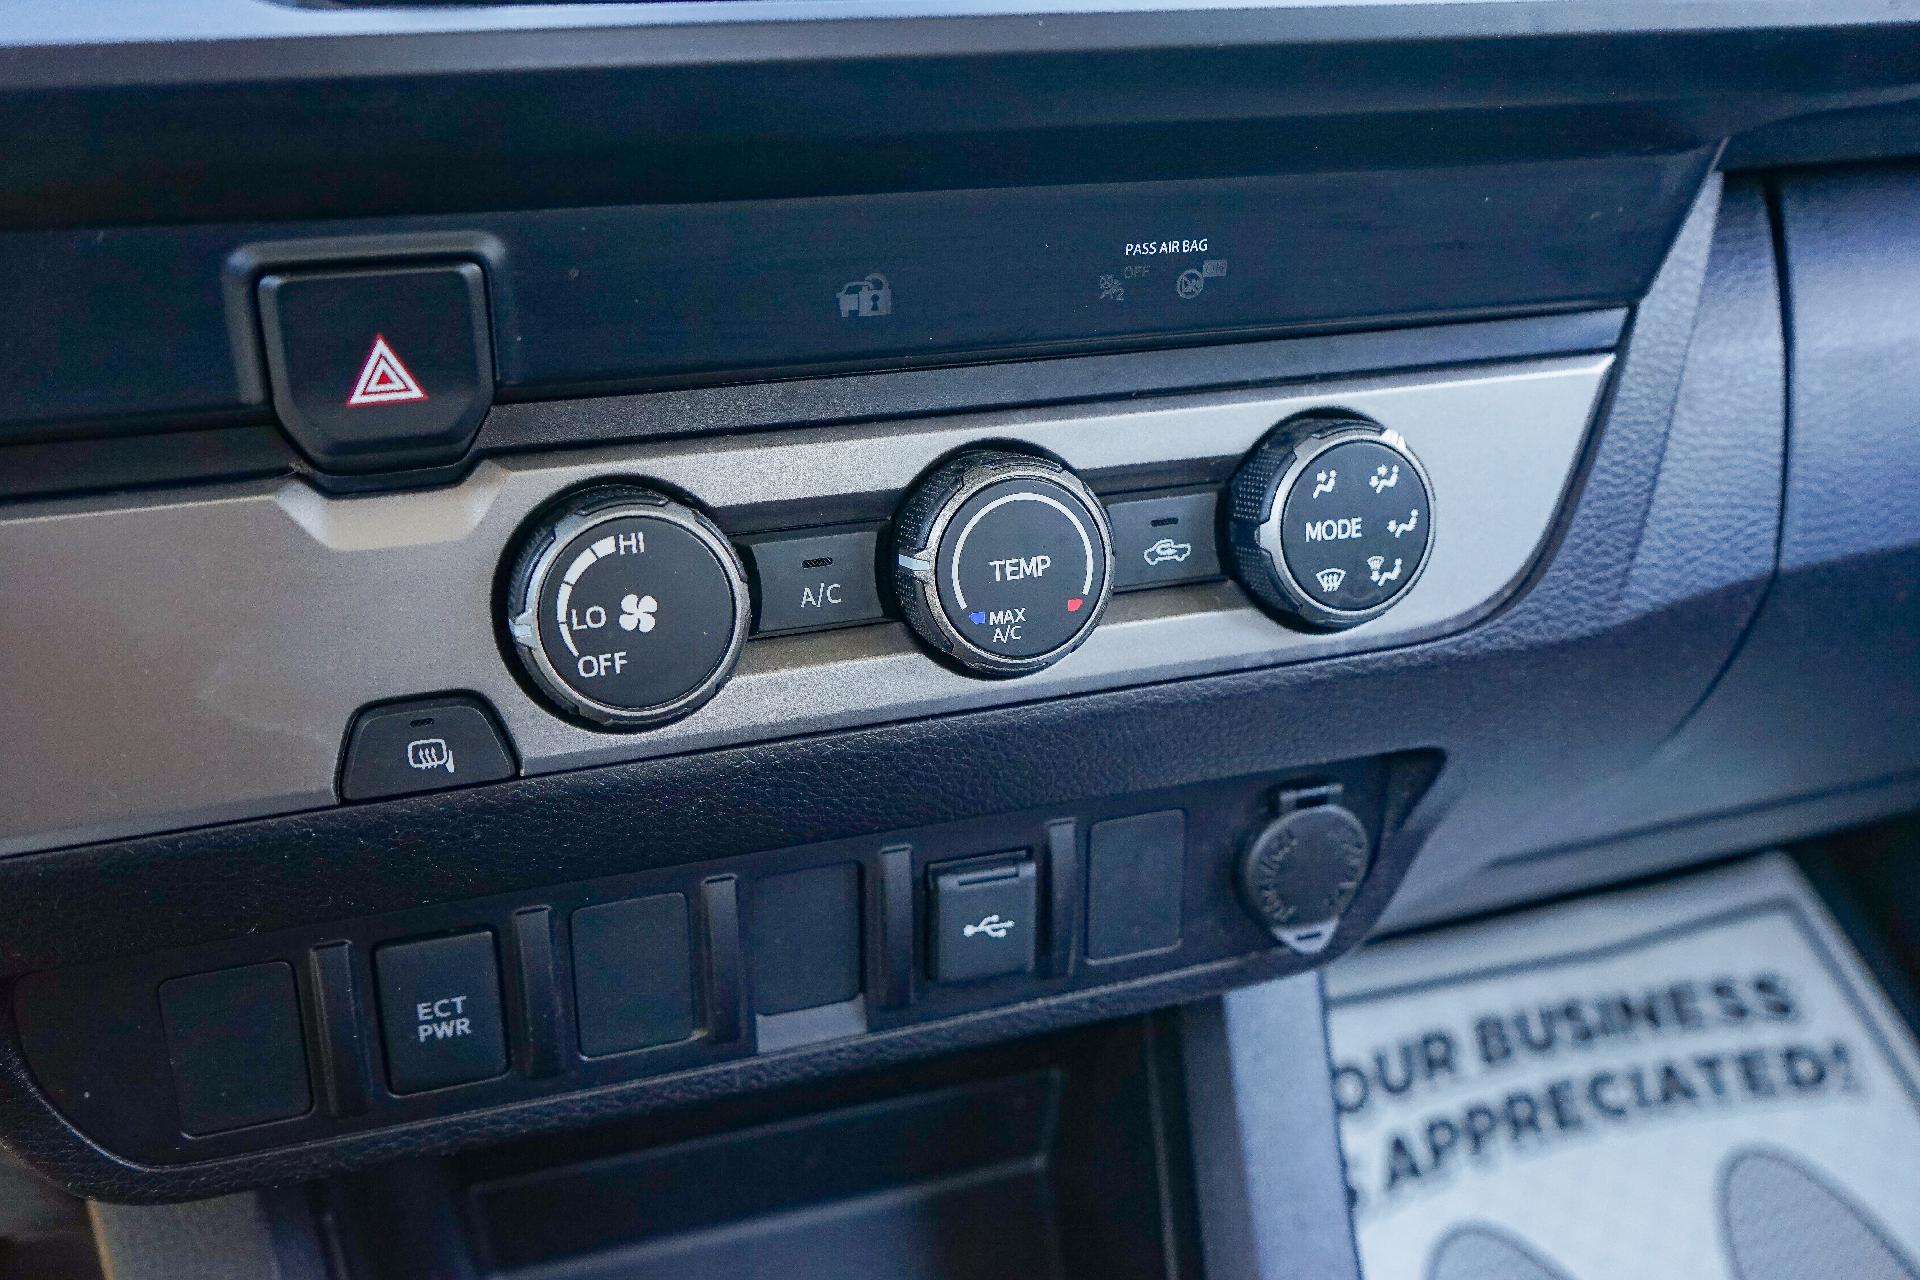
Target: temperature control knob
x,y
626,608
1331,520
1003,562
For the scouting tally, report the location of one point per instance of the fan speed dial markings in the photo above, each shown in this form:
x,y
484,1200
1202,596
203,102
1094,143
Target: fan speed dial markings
x,y
631,609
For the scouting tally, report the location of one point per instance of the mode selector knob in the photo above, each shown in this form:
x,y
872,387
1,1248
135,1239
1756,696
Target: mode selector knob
x,y
626,608
1331,520
1003,561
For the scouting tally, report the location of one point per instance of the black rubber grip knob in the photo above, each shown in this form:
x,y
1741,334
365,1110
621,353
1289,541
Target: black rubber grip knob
x,y
1003,562
1330,521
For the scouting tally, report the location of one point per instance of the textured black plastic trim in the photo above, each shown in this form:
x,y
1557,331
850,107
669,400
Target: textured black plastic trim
x,y
124,461
88,1033
509,108
1060,380
184,454
569,287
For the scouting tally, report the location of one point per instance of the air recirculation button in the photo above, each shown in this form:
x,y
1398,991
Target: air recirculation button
x,y
626,608
1331,520
1003,562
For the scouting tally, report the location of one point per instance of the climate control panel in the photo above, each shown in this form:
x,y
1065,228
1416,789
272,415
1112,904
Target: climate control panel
x,y
626,609
562,610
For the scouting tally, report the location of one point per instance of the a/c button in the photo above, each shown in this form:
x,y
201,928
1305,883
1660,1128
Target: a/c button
x,y
440,1012
806,581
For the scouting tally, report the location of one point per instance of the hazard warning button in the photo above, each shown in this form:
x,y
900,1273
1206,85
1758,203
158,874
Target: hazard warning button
x,y
379,370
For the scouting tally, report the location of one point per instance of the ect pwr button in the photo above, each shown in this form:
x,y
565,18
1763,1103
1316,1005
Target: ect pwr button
x,y
1331,521
1003,562
440,1014
626,609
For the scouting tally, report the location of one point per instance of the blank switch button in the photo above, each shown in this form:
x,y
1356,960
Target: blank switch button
x,y
1136,871
233,1038
805,938
633,974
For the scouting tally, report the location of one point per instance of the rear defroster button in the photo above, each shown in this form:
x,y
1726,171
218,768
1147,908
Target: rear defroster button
x,y
1003,562
424,744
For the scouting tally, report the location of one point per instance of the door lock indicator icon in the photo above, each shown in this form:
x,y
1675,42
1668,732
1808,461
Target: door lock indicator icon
x,y
867,298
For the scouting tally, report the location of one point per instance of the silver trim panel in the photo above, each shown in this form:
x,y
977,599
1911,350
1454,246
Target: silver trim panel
x,y
195,656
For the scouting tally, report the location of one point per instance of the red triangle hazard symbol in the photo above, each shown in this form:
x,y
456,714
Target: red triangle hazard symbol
x,y
383,379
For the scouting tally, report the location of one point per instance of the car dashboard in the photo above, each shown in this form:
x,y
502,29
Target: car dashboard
x,y
592,579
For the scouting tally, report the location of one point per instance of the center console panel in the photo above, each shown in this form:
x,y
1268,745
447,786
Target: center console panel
x,y
814,861
671,983
323,606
